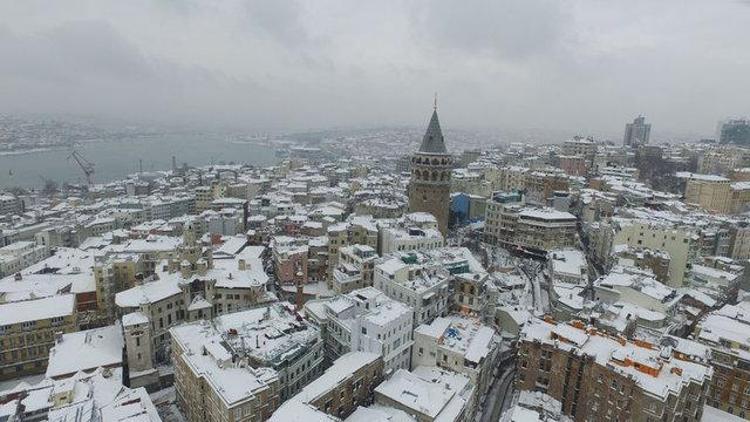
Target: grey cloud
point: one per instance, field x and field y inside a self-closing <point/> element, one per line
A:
<point x="582" y="66"/>
<point x="512" y="28"/>
<point x="71" y="53"/>
<point x="279" y="20"/>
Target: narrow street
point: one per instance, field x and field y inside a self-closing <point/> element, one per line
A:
<point x="500" y="396"/>
<point x="532" y="271"/>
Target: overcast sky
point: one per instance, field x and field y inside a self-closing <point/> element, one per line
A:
<point x="576" y="65"/>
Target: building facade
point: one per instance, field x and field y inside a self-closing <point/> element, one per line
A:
<point x="597" y="377"/>
<point x="637" y="133"/>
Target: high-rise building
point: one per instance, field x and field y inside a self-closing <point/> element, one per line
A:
<point x="735" y="132"/>
<point x="637" y="133"/>
<point x="429" y="189"/>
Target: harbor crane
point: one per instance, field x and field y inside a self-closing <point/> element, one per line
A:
<point x="85" y="165"/>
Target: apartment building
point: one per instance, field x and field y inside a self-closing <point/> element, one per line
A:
<point x="86" y="397"/>
<point x="712" y="193"/>
<point x="429" y="393"/>
<point x="114" y="273"/>
<point x="722" y="160"/>
<point x="678" y="242"/>
<point x="290" y="258"/>
<point x="648" y="299"/>
<point x="739" y="241"/>
<point x="10" y="204"/>
<point x="568" y="266"/>
<point x="574" y="165"/>
<point x="723" y="333"/>
<point x="28" y="330"/>
<point x="204" y="195"/>
<point x="168" y="207"/>
<point x="584" y="147"/>
<point x="409" y="239"/>
<point x="422" y="280"/>
<point x="355" y="268"/>
<point x="366" y="320"/>
<point x="532" y="230"/>
<point x="213" y="385"/>
<point x="459" y="344"/>
<point x="600" y="377"/>
<point x="740" y="197"/>
<point x="380" y="204"/>
<point x="85" y="351"/>
<point x="511" y="178"/>
<point x="192" y="288"/>
<point x="347" y="384"/>
<point x="153" y="249"/>
<point x="19" y="255"/>
<point x="540" y="185"/>
<point x="268" y="337"/>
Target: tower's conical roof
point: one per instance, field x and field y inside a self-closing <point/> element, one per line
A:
<point x="433" y="138"/>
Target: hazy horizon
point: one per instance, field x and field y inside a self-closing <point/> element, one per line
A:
<point x="575" y="67"/>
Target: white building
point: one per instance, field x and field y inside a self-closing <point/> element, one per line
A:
<point x="10" y="204"/>
<point x="17" y="256"/>
<point x="429" y="393"/>
<point x="637" y="288"/>
<point x="415" y="231"/>
<point x="99" y="396"/>
<point x="354" y="269"/>
<point x="568" y="266"/>
<point x="86" y="351"/>
<point x="421" y="279"/>
<point x="270" y="337"/>
<point x="460" y="344"/>
<point x="366" y="320"/>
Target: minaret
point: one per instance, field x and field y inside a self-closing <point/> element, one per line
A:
<point x="429" y="188"/>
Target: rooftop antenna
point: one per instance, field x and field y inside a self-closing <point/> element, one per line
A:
<point x="434" y="105"/>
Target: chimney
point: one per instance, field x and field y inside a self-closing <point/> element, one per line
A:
<point x="18" y="277"/>
<point x="242" y="265"/>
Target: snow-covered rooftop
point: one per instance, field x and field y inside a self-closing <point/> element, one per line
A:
<point x="85" y="351"/>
